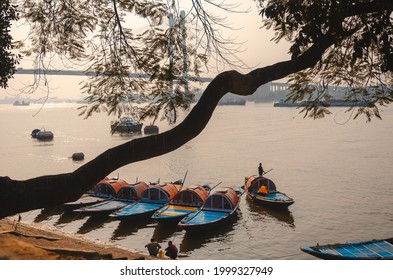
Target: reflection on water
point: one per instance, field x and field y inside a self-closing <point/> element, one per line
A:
<point x="46" y="213"/>
<point x="93" y="223"/>
<point x="126" y="228"/>
<point x="260" y="213"/>
<point x="165" y="231"/>
<point x="68" y="217"/>
<point x="195" y="240"/>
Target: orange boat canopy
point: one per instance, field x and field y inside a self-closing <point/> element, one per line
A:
<point x="194" y="196"/>
<point x="109" y="187"/>
<point x="132" y="191"/>
<point x="161" y="193"/>
<point x="222" y="200"/>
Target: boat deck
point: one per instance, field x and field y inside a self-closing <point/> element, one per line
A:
<point x="177" y="210"/>
<point x="203" y="217"/>
<point x="375" y="250"/>
<point x="277" y="196"/>
<point x="138" y="208"/>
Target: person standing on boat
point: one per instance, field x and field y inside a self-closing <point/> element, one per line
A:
<point x="153" y="247"/>
<point x="260" y="169"/>
<point x="171" y="250"/>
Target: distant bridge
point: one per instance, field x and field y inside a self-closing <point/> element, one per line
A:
<point x="81" y="73"/>
<point x="269" y="88"/>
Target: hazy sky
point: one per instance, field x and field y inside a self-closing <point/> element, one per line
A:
<point x="257" y="49"/>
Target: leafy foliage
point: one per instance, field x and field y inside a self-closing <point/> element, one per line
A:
<point x="361" y="60"/>
<point x="97" y="33"/>
<point x="8" y="60"/>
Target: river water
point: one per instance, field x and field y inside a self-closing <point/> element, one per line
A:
<point x="338" y="172"/>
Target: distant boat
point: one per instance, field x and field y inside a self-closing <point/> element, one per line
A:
<point x="184" y="203"/>
<point x="104" y="190"/>
<point x="366" y="250"/>
<point x="21" y="103"/>
<point x="263" y="191"/>
<point x="217" y="210"/>
<point x="232" y="101"/>
<point x="331" y="102"/>
<point x="153" y="198"/>
<point x="125" y="196"/>
<point x="125" y="125"/>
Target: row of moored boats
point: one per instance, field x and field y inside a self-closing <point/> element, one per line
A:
<point x="199" y="207"/>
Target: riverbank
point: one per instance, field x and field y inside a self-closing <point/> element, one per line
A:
<point x="22" y="241"/>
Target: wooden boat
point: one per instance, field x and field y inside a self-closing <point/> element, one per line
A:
<point x="263" y="191"/>
<point x="103" y="191"/>
<point x="184" y="203"/>
<point x="217" y="209"/>
<point x="125" y="125"/>
<point x="125" y="196"/>
<point x="367" y="250"/>
<point x="153" y="198"/>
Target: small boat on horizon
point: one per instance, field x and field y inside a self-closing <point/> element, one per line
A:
<point x="263" y="191"/>
<point x="184" y="203"/>
<point x="381" y="249"/>
<point x="218" y="208"/>
<point x="125" y="196"/>
<point x="153" y="198"/>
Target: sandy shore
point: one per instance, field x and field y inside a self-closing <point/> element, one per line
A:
<point x="28" y="242"/>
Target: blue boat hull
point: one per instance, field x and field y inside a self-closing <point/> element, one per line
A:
<point x="368" y="250"/>
<point x="137" y="211"/>
<point x="275" y="200"/>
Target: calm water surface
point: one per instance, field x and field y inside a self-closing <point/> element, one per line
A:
<point x="338" y="172"/>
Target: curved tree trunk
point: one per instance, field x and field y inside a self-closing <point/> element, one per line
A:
<point x="46" y="191"/>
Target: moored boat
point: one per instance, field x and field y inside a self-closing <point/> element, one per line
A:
<point x="43" y="135"/>
<point x="184" y="203"/>
<point x="125" y="125"/>
<point x="103" y="191"/>
<point x="263" y="191"/>
<point x="217" y="209"/>
<point x="125" y="196"/>
<point x="153" y="198"/>
<point x="381" y="249"/>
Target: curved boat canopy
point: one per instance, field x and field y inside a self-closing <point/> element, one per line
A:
<point x="254" y="183"/>
<point x="132" y="191"/>
<point x="194" y="196"/>
<point x="222" y="200"/>
<point x="160" y="193"/>
<point x="109" y="187"/>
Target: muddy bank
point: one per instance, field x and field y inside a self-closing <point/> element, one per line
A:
<point x="21" y="241"/>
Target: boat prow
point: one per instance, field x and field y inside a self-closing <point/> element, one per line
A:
<point x="218" y="209"/>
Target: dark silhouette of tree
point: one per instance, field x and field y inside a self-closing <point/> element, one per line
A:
<point x="333" y="42"/>
<point x="8" y="60"/>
